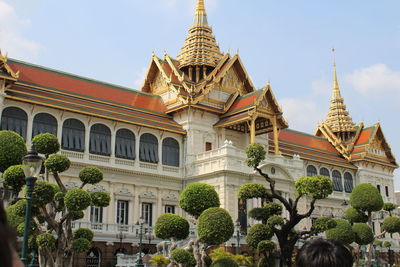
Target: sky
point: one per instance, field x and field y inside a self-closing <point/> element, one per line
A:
<point x="285" y="42"/>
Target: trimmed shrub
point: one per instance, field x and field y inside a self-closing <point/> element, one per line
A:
<point x="91" y="175"/>
<point x="257" y="233"/>
<point x="322" y="224"/>
<point x="100" y="199"/>
<point x="265" y="246"/>
<point x="76" y="215"/>
<point x="46" y="143"/>
<point x="378" y="243"/>
<point x="57" y="163"/>
<point x="46" y="240"/>
<point x="252" y="190"/>
<point x="273" y="208"/>
<point x="215" y="226"/>
<point x="255" y="154"/>
<point x="13" y="218"/>
<point x="77" y="199"/>
<point x="181" y="256"/>
<point x="198" y="197"/>
<point x="318" y="186"/>
<point x="366" y="197"/>
<point x="14" y="177"/>
<point x="59" y="199"/>
<point x="12" y="149"/>
<point x="43" y="193"/>
<point x="275" y="221"/>
<point x="389" y="206"/>
<point x="224" y="262"/>
<point x="355" y="216"/>
<point x="259" y="214"/>
<point x="391" y="224"/>
<point x="83" y="233"/>
<point x="80" y="245"/>
<point x="363" y="234"/>
<point x="343" y="232"/>
<point x="171" y="226"/>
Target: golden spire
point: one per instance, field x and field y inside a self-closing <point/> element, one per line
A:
<point x="338" y="118"/>
<point x="200" y="48"/>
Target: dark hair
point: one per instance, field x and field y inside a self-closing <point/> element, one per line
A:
<point x="6" y="253"/>
<point x="324" y="253"/>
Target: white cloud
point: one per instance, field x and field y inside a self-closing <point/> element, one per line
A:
<point x="301" y="114"/>
<point x="11" y="34"/>
<point x="375" y="80"/>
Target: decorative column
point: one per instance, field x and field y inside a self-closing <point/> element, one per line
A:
<point x="29" y="127"/>
<point x="276" y="136"/>
<point x="136" y="205"/>
<point x="159" y="203"/>
<point x="111" y="208"/>
<point x="87" y="139"/>
<point x="253" y="130"/>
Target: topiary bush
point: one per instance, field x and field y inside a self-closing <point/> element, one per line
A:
<point x="322" y="224"/>
<point x="252" y="190"/>
<point x="91" y="175"/>
<point x="12" y="149"/>
<point x="363" y="234"/>
<point x="46" y="240"/>
<point x="198" y="197"/>
<point x="43" y="193"/>
<point x="59" y="199"/>
<point x="275" y="221"/>
<point x="14" y="177"/>
<point x="181" y="256"/>
<point x="255" y="154"/>
<point x="80" y="245"/>
<point x="355" y="216"/>
<point x="77" y="215"/>
<point x="224" y="262"/>
<point x="391" y="224"/>
<point x="83" y="233"/>
<point x="389" y="207"/>
<point x="257" y="233"/>
<point x="100" y="199"/>
<point x="387" y="244"/>
<point x="259" y="214"/>
<point x="343" y="232"/>
<point x="318" y="186"/>
<point x="366" y="197"/>
<point x="77" y="199"/>
<point x="46" y="143"/>
<point x="378" y="243"/>
<point x="171" y="226"/>
<point x="57" y="163"/>
<point x="265" y="246"/>
<point x="215" y="226"/>
<point x="273" y="208"/>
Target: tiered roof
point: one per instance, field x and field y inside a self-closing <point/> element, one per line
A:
<point x="52" y="88"/>
<point x="200" y="48"/>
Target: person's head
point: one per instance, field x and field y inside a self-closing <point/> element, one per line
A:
<point x="324" y="253"/>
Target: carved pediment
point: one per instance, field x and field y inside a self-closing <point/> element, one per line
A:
<point x="231" y="83"/>
<point x="97" y="188"/>
<point x="123" y="191"/>
<point x="159" y="84"/>
<point x="170" y="197"/>
<point x="148" y="194"/>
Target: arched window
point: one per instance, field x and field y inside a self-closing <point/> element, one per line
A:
<point x="93" y="258"/>
<point x="44" y="123"/>
<point x="170" y="152"/>
<point x="125" y="144"/>
<point x="148" y="148"/>
<point x="311" y="170"/>
<point x="14" y="119"/>
<point x="324" y="172"/>
<point x="73" y="135"/>
<point x="348" y="182"/>
<point x="100" y="140"/>
<point x="337" y="181"/>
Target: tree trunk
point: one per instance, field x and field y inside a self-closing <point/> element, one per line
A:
<point x="197" y="253"/>
<point x="368" y="254"/>
<point x="287" y="247"/>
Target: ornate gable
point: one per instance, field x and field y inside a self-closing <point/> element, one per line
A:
<point x="7" y="74"/>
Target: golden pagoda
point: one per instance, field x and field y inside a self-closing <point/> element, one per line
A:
<point x="200" y="53"/>
<point x="338" y="119"/>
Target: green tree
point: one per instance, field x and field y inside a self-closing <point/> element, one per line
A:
<point x="310" y="187"/>
<point x="214" y="225"/>
<point x="54" y="207"/>
<point x="173" y="227"/>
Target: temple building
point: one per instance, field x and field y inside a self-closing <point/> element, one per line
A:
<point x="190" y="122"/>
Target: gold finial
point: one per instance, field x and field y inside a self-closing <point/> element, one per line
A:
<point x="200" y="9"/>
<point x="335" y="80"/>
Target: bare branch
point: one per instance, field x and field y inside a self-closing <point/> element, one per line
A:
<point x="50" y="220"/>
<point x="60" y="184"/>
<point x="310" y="211"/>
